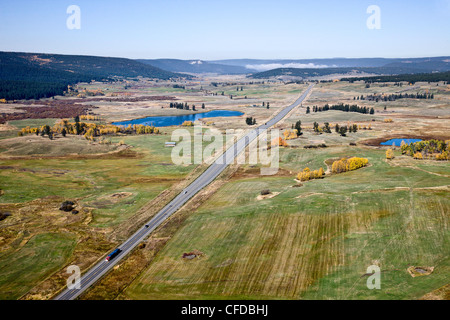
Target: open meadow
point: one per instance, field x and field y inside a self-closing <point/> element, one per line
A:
<point x="315" y="240"/>
<point x="307" y="240"/>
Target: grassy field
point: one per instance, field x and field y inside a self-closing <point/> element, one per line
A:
<point x="108" y="188"/>
<point x="145" y="171"/>
<point x="42" y="255"/>
<point x="314" y="241"/>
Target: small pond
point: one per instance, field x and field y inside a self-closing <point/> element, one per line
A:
<point x="398" y="142"/>
<point x="165" y="121"/>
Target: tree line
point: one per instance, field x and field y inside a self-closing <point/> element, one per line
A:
<point x="184" y="106"/>
<point x="350" y="164"/>
<point x="429" y="149"/>
<point x="393" y="97"/>
<point x="89" y="130"/>
<point x="410" y="78"/>
<point x="342" y="107"/>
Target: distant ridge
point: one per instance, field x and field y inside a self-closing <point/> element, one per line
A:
<point x="304" y="67"/>
<point x="38" y="75"/>
<point x="394" y="67"/>
<point x="426" y="64"/>
<point x="194" y="66"/>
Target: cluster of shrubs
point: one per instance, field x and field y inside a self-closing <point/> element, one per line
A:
<point x="342" y="130"/>
<point x="90" y="117"/>
<point x="90" y="93"/>
<point x="350" y="164"/>
<point x="307" y="174"/>
<point x="430" y="149"/>
<point x="188" y="124"/>
<point x="315" y="146"/>
<point x="184" y="106"/>
<point x="288" y="134"/>
<point x="279" y="142"/>
<point x="250" y="121"/>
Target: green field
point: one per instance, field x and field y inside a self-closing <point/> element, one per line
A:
<point x="141" y="172"/>
<point x="310" y="242"/>
<point x="37" y="259"/>
<point x="145" y="173"/>
<point x="313" y="240"/>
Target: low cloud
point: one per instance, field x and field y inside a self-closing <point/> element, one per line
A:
<point x="270" y="66"/>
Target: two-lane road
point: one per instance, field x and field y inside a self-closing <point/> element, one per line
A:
<point x="102" y="267"/>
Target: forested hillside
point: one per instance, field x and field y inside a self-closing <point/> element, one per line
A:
<point x="34" y="76"/>
<point x="194" y="66"/>
<point x="411" y="78"/>
<point x="316" y="72"/>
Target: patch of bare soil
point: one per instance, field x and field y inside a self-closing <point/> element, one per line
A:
<point x="120" y="195"/>
<point x="309" y="194"/>
<point x="59" y="109"/>
<point x="420" y="271"/>
<point x="127" y="99"/>
<point x="267" y="196"/>
<point x="383" y="190"/>
<point x="192" y="255"/>
<point x="255" y="172"/>
<point x="7" y="127"/>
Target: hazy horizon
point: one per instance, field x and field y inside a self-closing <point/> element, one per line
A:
<point x="225" y="59"/>
<point x="203" y="30"/>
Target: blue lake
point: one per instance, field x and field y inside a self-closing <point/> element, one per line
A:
<point x="166" y="121"/>
<point x="398" y="142"/>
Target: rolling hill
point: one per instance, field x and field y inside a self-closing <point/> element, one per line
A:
<point x="35" y="75"/>
<point x="400" y="66"/>
<point x="194" y="66"/>
<point x="429" y="64"/>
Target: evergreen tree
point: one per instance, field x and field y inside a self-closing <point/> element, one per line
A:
<point x="298" y="127"/>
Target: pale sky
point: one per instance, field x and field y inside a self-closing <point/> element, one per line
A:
<point x="214" y="29"/>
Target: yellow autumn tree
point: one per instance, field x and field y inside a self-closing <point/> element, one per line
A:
<point x="321" y="172"/>
<point x="307" y="174"/>
<point x="280" y="142"/>
<point x="350" y="164"/>
<point x="389" y="154"/>
<point x="418" y="156"/>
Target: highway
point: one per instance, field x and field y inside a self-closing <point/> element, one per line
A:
<point x="102" y="267"/>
